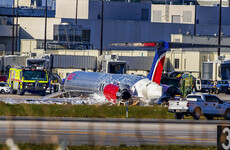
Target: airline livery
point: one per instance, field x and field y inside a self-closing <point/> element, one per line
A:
<point x="122" y="87"/>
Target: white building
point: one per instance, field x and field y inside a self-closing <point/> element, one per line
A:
<point x="133" y="22"/>
<point x="191" y="59"/>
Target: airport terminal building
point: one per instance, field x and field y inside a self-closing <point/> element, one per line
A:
<point x="123" y="22"/>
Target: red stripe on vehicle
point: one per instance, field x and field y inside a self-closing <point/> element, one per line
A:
<point x="17" y="80"/>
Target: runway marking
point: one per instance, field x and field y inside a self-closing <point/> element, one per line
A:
<point x="130" y="135"/>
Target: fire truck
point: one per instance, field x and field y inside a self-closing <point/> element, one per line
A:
<point x="31" y="80"/>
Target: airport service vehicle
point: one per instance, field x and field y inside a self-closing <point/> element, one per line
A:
<point x="4" y="87"/>
<point x="184" y="83"/>
<point x="28" y="79"/>
<point x="200" y="104"/>
<point x="117" y="87"/>
<point x="222" y="86"/>
<point x="203" y="85"/>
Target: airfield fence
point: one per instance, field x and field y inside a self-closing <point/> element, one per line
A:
<point x="102" y="131"/>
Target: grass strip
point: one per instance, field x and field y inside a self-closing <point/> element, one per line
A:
<point x="120" y="147"/>
<point x="43" y="110"/>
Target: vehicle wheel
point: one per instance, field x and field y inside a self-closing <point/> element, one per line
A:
<point x="209" y="117"/>
<point x="2" y="91"/>
<point x="43" y="93"/>
<point x="227" y="114"/>
<point x="179" y="115"/>
<point x="196" y="114"/>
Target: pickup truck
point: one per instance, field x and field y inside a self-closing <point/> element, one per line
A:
<point x="200" y="104"/>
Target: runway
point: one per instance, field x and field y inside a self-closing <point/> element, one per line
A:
<point x="77" y="131"/>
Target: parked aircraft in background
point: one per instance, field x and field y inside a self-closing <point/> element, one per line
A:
<point x="123" y="87"/>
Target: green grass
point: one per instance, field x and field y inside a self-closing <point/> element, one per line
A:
<point x="155" y="112"/>
<point x="121" y="147"/>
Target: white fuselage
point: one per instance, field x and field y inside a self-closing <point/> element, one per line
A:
<point x="93" y="81"/>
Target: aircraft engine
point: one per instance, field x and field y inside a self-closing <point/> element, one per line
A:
<point x="117" y="92"/>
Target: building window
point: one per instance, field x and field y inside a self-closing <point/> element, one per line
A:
<point x="176" y="63"/>
<point x="204" y="58"/>
<point x="187" y="16"/>
<point x="55" y="38"/>
<point x="157" y="15"/>
<point x="67" y="74"/>
<point x="177" y="40"/>
<point x="85" y="35"/>
<point x="144" y="14"/>
<point x="175" y="18"/>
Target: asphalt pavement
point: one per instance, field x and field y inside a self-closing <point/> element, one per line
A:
<point x="77" y="131"/>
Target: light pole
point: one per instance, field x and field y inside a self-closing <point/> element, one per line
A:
<point x="102" y="19"/>
<point x="76" y="11"/>
<point x="45" y="27"/>
<point x="16" y="39"/>
<point x="219" y="27"/>
<point x="13" y="30"/>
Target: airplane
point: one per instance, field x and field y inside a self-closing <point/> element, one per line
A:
<point x="123" y="87"/>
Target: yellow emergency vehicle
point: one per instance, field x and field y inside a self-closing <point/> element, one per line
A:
<point x="32" y="80"/>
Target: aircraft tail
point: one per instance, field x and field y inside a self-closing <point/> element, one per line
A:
<point x="157" y="66"/>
